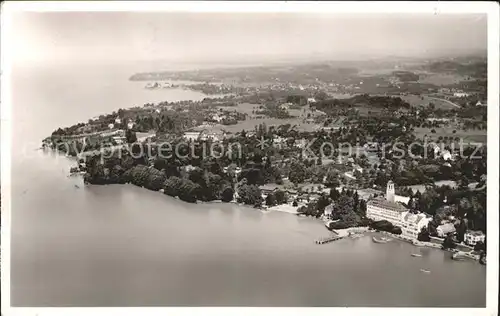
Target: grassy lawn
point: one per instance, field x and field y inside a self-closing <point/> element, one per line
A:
<point x="249" y="124"/>
<point x="245" y="108"/>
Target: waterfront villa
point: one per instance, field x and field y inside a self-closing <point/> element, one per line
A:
<point x="412" y="224"/>
<point x="445" y="229"/>
<point x="473" y="237"/>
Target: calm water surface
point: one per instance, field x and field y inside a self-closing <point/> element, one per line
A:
<point x="120" y="245"/>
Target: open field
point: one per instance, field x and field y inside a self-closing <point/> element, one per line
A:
<point x="467" y="136"/>
<point x="245" y="108"/>
<point x="337" y="95"/>
<point x="249" y="124"/>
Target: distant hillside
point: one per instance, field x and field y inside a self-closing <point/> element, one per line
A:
<point x="476" y="69"/>
<point x="291" y="73"/>
<point x="405" y="76"/>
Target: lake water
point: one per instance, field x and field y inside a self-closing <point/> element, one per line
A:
<point x="120" y="245"/>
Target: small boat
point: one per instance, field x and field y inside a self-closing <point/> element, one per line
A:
<point x="380" y="241"/>
<point x="425" y="271"/>
<point x="416" y="255"/>
<point x="76" y="186"/>
<point x="458" y="256"/>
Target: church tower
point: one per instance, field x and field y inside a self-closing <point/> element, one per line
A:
<point x="389" y="195"/>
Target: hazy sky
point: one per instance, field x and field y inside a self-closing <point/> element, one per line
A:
<point x="121" y="36"/>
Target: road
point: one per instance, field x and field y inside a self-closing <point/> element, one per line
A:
<point x="447" y="101"/>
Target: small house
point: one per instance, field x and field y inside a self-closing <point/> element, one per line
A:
<point x="471" y="237"/>
<point x="445" y="229"/>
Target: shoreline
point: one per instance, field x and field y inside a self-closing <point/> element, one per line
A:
<point x="425" y="244"/>
<point x="289" y="209"/>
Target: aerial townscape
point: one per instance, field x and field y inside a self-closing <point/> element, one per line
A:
<point x="250" y="159"/>
<point x="415" y="167"/>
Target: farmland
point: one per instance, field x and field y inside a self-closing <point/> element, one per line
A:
<point x="249" y="124"/>
<point x="441" y="79"/>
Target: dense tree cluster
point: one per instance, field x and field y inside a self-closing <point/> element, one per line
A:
<point x="250" y="194"/>
<point x="146" y="177"/>
<point x="276" y="198"/>
<point x="424" y="235"/>
<point x="297" y="172"/>
<point x="448" y="242"/>
<point x="185" y="189"/>
<point x="195" y="184"/>
<point x="385" y="226"/>
<point x="365" y="100"/>
<point x="347" y="209"/>
<point x="468" y="206"/>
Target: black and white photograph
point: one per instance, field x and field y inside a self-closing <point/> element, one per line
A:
<point x="216" y="154"/>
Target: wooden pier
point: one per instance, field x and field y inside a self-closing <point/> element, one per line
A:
<point x="328" y="239"/>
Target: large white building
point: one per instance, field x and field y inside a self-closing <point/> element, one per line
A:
<point x="379" y="209"/>
<point x="391" y="210"/>
<point x="412" y="224"/>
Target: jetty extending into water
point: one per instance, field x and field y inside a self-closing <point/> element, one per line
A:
<point x="328" y="239"/>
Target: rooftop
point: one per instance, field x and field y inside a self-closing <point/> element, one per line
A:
<point x="475" y="233"/>
<point x="447" y="228"/>
<point x="383" y="203"/>
<point x="414" y="218"/>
